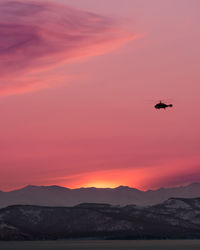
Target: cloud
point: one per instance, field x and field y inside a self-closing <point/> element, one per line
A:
<point x="36" y="36"/>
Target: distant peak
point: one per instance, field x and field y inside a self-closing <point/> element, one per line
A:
<point x="124" y="187"/>
<point x="56" y="187"/>
<point x="53" y="187"/>
<point x="93" y="205"/>
<point x="195" y="184"/>
<point x="30" y="187"/>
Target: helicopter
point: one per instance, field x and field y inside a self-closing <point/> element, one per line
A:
<point x="162" y="105"/>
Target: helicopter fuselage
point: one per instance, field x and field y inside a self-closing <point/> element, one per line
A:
<point x="162" y="105"/>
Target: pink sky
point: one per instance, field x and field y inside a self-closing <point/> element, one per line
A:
<point x="76" y="88"/>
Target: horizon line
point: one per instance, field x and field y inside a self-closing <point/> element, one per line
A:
<point x="120" y="186"/>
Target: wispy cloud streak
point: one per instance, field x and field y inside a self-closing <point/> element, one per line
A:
<point x="36" y="36"/>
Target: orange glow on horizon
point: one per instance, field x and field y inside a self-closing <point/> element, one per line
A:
<point x="101" y="184"/>
<point x="141" y="178"/>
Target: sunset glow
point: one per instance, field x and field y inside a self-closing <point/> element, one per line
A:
<point x="79" y="81"/>
<point x="101" y="185"/>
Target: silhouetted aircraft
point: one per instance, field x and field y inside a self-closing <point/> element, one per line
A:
<point x="162" y="105"/>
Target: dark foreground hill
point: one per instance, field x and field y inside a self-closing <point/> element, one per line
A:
<point x="175" y="218"/>
<point x="60" y="196"/>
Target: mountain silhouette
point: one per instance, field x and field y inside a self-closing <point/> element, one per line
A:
<point x="61" y="196"/>
<point x="176" y="218"/>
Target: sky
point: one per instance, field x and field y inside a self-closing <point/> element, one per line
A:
<point x="79" y="81"/>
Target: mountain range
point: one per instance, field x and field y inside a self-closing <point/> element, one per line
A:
<point x="175" y="218"/>
<point x="61" y="196"/>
